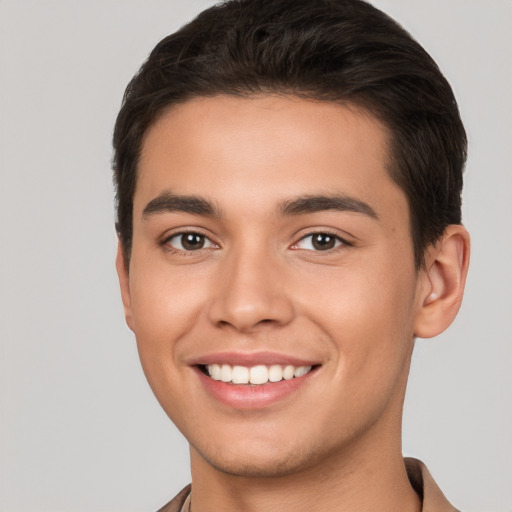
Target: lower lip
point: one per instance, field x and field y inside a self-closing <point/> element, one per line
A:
<point x="246" y="396"/>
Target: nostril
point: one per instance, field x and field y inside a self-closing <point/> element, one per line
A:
<point x="223" y="323"/>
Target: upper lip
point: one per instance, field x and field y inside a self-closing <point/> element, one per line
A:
<point x="252" y="359"/>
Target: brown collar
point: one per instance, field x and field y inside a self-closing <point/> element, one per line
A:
<point x="423" y="483"/>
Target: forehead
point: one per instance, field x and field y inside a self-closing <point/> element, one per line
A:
<point x="265" y="147"/>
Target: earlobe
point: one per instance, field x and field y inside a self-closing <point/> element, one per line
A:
<point x="442" y="282"/>
<point x="124" y="284"/>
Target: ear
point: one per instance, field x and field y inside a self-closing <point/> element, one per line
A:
<point x="124" y="283"/>
<point x="441" y="283"/>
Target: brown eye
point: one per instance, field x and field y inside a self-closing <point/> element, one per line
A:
<point x="323" y="241"/>
<point x="189" y="241"/>
<point x="319" y="242"/>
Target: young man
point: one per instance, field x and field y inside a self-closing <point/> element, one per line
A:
<point x="288" y="181"/>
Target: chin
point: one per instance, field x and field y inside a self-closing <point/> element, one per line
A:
<point x="270" y="467"/>
<point x="256" y="461"/>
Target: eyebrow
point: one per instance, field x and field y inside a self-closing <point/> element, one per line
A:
<point x="313" y="204"/>
<point x="195" y="205"/>
<point x="168" y="202"/>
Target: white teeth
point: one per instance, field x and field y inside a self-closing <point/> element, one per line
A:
<point x="258" y="374"/>
<point x="240" y="375"/>
<point x="226" y="373"/>
<point x="215" y="371"/>
<point x="288" y="372"/>
<point x="255" y="375"/>
<point x="301" y="370"/>
<point x="275" y="373"/>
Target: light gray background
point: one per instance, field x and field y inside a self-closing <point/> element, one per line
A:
<point x="80" y="429"/>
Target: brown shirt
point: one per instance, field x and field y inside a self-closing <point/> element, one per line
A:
<point x="421" y="480"/>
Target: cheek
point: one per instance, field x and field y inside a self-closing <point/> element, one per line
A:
<point x="166" y="306"/>
<point x="165" y="311"/>
<point x="165" y="300"/>
<point x="368" y="316"/>
<point x="372" y="339"/>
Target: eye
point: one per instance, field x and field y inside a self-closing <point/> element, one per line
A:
<point x="189" y="241"/>
<point x="319" y="242"/>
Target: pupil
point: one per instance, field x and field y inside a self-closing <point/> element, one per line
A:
<point x="323" y="241"/>
<point x="192" y="241"/>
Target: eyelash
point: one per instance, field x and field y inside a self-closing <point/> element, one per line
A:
<point x="339" y="242"/>
<point x="166" y="243"/>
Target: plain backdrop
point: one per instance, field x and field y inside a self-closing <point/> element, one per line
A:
<point x="80" y="430"/>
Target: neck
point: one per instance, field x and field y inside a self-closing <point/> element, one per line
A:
<point x="363" y="477"/>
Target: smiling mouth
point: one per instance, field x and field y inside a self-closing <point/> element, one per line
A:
<point x="255" y="375"/>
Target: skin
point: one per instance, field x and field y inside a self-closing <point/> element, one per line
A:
<point x="259" y="284"/>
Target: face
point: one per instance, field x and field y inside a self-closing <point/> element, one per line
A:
<point x="272" y="287"/>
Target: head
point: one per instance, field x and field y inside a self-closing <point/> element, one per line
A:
<point x="288" y="182"/>
<point x="342" y="51"/>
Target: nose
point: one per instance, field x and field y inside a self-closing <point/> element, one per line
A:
<point x="251" y="293"/>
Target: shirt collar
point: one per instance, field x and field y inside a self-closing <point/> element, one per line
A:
<point x="432" y="497"/>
